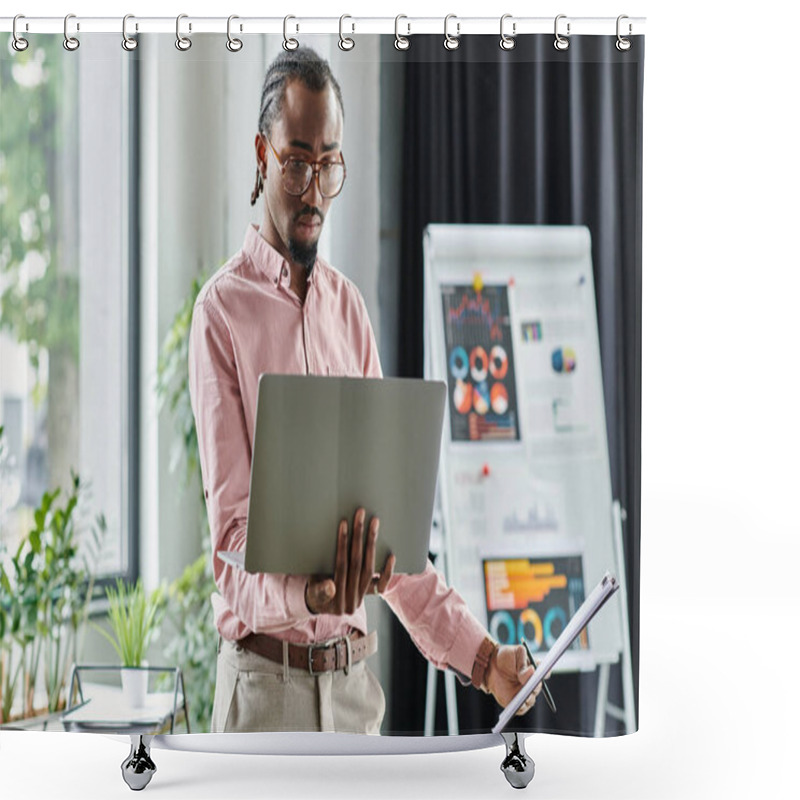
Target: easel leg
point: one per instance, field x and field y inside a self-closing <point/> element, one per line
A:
<point x="450" y="701"/>
<point x="628" y="713"/>
<point x="518" y="766"/>
<point x="138" y="768"/>
<point x="601" y="709"/>
<point x="452" y="708"/>
<point x="430" y="699"/>
<point x="627" y="693"/>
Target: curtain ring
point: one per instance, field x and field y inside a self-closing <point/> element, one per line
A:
<point x="183" y="43"/>
<point x="401" y="42"/>
<point x="70" y="42"/>
<point x="561" y="42"/>
<point x="234" y="45"/>
<point x="289" y="44"/>
<point x="18" y="42"/>
<point x="623" y="44"/>
<point x="128" y="42"/>
<point x="345" y="42"/>
<point x="507" y="42"/>
<point x="451" y="42"/>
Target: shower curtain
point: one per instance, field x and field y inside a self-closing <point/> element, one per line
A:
<point x="127" y="359"/>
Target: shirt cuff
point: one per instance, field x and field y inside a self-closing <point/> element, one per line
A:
<point x="462" y="679"/>
<point x="296" y="597"/>
<point x="468" y="640"/>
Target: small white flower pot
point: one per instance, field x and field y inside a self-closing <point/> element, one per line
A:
<point x="134" y="686"/>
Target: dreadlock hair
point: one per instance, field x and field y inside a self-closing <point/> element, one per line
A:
<point x="302" y="64"/>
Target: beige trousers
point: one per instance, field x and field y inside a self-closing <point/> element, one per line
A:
<point x="256" y="694"/>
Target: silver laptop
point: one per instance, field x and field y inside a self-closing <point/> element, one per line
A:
<point x="325" y="446"/>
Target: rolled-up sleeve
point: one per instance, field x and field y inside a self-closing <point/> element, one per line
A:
<point x="437" y="618"/>
<point x="265" y="603"/>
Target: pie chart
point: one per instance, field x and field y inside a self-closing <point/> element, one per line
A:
<point x="564" y="359"/>
<point x="478" y="364"/>
<point x="498" y="363"/>
<point x="459" y="363"/>
<point x="480" y="398"/>
<point x="499" y="397"/>
<point x="462" y="396"/>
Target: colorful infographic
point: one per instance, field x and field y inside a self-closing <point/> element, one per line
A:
<point x="533" y="599"/>
<point x="532" y="331"/>
<point x="563" y="359"/>
<point x="480" y="363"/>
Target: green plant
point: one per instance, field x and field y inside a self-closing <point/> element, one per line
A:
<point x="195" y="641"/>
<point x="134" y="617"/>
<point x="44" y="600"/>
<point x="194" y="644"/>
<point x="9" y="670"/>
<point x="172" y="385"/>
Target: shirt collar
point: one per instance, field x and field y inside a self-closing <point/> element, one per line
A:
<point x="268" y="260"/>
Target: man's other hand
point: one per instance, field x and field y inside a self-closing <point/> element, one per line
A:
<point x="354" y="575"/>
<point x="508" y="671"/>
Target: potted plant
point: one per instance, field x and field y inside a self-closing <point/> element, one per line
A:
<point x="45" y="590"/>
<point x="134" y="617"/>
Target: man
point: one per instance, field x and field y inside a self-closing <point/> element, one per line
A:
<point x="276" y="306"/>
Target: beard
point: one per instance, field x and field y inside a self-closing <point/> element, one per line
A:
<point x="303" y="254"/>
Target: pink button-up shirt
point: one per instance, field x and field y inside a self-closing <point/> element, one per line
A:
<point x="246" y="321"/>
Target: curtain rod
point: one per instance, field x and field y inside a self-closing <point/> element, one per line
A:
<point x="455" y="25"/>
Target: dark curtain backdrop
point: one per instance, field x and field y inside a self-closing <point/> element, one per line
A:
<point x="531" y="136"/>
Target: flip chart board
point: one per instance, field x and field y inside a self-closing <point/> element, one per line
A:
<point x="524" y="483"/>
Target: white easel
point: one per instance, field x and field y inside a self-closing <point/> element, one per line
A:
<point x="452" y="254"/>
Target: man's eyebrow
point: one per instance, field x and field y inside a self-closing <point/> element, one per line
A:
<point x="306" y="146"/>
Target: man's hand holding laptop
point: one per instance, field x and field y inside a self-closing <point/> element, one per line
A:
<point x="509" y="668"/>
<point x="354" y="575"/>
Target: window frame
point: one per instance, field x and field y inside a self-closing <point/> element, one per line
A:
<point x="130" y="514"/>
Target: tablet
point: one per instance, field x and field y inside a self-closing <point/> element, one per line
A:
<point x="325" y="446"/>
<point x="593" y="603"/>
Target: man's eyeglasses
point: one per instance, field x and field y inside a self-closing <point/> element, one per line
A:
<point x="297" y="174"/>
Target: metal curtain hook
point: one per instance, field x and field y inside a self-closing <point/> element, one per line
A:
<point x="451" y="42"/>
<point x="18" y="42"/>
<point x="128" y="42"/>
<point x="623" y="43"/>
<point x="183" y="43"/>
<point x="289" y="44"/>
<point x="70" y="42"/>
<point x="234" y="45"/>
<point x="561" y="42"/>
<point x="401" y="42"/>
<point x="507" y="42"/>
<point x="345" y="42"/>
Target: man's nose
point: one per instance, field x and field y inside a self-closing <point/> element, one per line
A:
<point x="312" y="196"/>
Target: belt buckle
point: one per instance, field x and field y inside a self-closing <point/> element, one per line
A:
<point x="323" y="646"/>
<point x="349" y="649"/>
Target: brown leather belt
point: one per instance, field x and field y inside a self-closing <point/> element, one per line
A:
<point x="335" y="654"/>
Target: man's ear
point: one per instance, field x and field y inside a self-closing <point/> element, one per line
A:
<point x="261" y="155"/>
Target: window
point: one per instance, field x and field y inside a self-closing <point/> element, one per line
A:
<point x="68" y="351"/>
